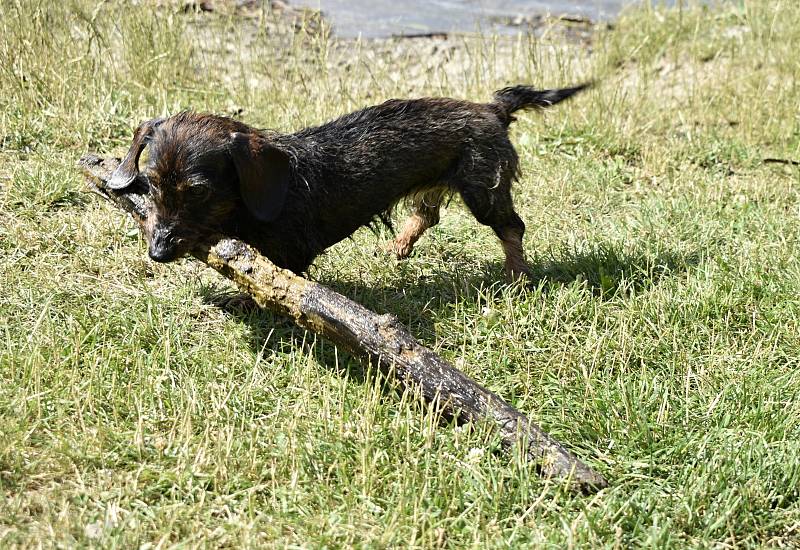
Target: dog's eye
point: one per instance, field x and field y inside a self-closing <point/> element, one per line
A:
<point x="198" y="191"/>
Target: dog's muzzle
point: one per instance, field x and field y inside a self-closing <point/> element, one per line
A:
<point x="163" y="246"/>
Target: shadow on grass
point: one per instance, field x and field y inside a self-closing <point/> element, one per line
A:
<point x="418" y="301"/>
<point x="607" y="270"/>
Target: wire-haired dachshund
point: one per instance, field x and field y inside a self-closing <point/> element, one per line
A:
<point x="292" y="196"/>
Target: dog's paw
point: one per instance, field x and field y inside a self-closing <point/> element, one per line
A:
<point x="399" y="251"/>
<point x="519" y="274"/>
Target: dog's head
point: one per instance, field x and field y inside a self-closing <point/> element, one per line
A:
<point x="200" y="170"/>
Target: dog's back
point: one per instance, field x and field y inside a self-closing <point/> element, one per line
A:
<point x="365" y="162"/>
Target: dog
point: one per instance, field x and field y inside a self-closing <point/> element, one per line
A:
<point x="292" y="196"/>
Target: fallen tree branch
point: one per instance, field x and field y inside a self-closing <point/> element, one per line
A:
<point x="367" y="335"/>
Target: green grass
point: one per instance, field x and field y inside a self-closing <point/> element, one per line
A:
<point x="660" y="340"/>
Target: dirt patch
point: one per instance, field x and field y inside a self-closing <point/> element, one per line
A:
<point x="425" y="58"/>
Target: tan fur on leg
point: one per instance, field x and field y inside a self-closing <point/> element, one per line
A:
<point x="516" y="266"/>
<point x="413" y="228"/>
<point x="425" y="214"/>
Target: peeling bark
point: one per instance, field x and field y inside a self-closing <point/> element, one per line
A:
<point x="380" y="339"/>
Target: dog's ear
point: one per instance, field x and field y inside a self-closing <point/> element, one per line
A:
<point x="264" y="172"/>
<point x="128" y="169"/>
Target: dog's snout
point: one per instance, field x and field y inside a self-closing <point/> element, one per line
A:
<point x="162" y="245"/>
<point x="161" y="254"/>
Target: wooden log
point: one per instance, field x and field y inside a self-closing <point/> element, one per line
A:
<point x="380" y="339"/>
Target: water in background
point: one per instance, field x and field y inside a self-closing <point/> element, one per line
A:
<point x="381" y="18"/>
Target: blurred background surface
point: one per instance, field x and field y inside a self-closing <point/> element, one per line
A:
<point x="381" y="18"/>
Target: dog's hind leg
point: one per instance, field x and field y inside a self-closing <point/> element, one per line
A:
<point x="424" y="215"/>
<point x="494" y="207"/>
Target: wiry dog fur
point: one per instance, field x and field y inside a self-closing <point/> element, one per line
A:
<point x="294" y="195"/>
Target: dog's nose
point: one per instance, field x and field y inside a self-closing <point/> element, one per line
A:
<point x="161" y="253"/>
<point x="162" y="248"/>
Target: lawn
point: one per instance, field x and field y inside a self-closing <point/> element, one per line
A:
<point x="659" y="339"/>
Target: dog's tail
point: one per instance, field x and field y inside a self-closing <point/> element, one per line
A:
<point x="514" y="98"/>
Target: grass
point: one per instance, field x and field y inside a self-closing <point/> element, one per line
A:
<point x="660" y="339"/>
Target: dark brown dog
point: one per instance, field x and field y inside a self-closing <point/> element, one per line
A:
<point x="292" y="196"/>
